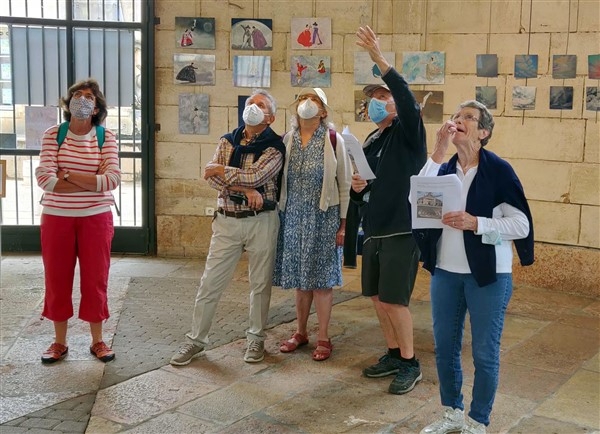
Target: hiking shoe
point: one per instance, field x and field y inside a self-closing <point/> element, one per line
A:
<point x="185" y="354"/>
<point x="406" y="378"/>
<point x="255" y="352"/>
<point x="102" y="352"/>
<point x="387" y="365"/>
<point x="452" y="422"/>
<point x="54" y="353"/>
<point x="473" y="427"/>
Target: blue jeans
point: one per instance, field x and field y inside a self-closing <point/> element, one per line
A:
<point x="452" y="295"/>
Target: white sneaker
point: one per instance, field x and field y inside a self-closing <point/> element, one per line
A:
<point x="255" y="352"/>
<point x="473" y="427"/>
<point x="185" y="354"/>
<point x="452" y="422"/>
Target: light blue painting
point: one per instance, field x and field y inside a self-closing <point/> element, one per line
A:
<point x="523" y="97"/>
<point x="310" y="71"/>
<point x="252" y="71"/>
<point x="366" y="71"/>
<point x="424" y="67"/>
<point x="526" y="65"/>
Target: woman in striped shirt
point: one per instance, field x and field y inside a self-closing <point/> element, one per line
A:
<point x="78" y="169"/>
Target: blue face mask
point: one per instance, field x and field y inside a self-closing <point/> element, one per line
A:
<point x="377" y="111"/>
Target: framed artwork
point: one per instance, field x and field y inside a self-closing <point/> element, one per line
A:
<point x="195" y="33"/>
<point x="193" y="113"/>
<point x="241" y="105"/>
<point x="252" y="71"/>
<point x="561" y="97"/>
<point x="487" y="95"/>
<point x="194" y="69"/>
<point x="37" y="121"/>
<point x="424" y="67"/>
<point x="8" y="141"/>
<point x="361" y="107"/>
<point x="366" y="71"/>
<point x="526" y="65"/>
<point x="311" y="33"/>
<point x="594" y="66"/>
<point x="564" y="66"/>
<point x="432" y="105"/>
<point x="523" y="97"/>
<point x="310" y="71"/>
<point x="487" y="65"/>
<point x="592" y="98"/>
<point x="2" y="178"/>
<point x="251" y="34"/>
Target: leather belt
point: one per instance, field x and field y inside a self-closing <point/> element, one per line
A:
<point x="239" y="214"/>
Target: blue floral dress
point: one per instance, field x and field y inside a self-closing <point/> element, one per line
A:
<point x="307" y="256"/>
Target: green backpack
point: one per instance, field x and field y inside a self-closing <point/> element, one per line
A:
<point x="64" y="127"/>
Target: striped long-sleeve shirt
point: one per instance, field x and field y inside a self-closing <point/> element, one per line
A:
<point x="78" y="154"/>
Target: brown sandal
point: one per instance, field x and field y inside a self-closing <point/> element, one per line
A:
<point x="323" y="351"/>
<point x="297" y="340"/>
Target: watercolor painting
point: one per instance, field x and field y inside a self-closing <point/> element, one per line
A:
<point x="561" y="97"/>
<point x="526" y="65"/>
<point x="310" y="71"/>
<point x="432" y="105"/>
<point x="487" y="95"/>
<point x="251" y="34"/>
<point x="361" y="107"/>
<point x="592" y="98"/>
<point x="193" y="113"/>
<point x="366" y="71"/>
<point x="487" y="65"/>
<point x="424" y="67"/>
<point x="252" y="71"/>
<point x="523" y="97"/>
<point x="594" y="66"/>
<point x="311" y="33"/>
<point x="195" y="33"/>
<point x="564" y="66"/>
<point x="194" y="69"/>
<point x="37" y="121"/>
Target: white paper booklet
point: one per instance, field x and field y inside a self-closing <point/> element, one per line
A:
<point x="431" y="197"/>
<point x="357" y="155"/>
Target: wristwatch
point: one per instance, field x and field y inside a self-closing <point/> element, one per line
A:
<point x="66" y="175"/>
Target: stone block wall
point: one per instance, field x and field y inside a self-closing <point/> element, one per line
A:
<point x="555" y="152"/>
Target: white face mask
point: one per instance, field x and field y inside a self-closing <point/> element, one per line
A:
<point x="81" y="108"/>
<point x="253" y="115"/>
<point x="308" y="109"/>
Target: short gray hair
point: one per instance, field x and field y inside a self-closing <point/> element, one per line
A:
<point x="267" y="95"/>
<point x="486" y="119"/>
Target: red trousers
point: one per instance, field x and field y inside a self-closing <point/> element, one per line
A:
<point x="64" y="241"/>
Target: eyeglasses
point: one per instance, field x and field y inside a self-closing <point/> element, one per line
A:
<point x="80" y="93"/>
<point x="465" y="117"/>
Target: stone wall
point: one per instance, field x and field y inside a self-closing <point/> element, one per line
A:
<point x="555" y="153"/>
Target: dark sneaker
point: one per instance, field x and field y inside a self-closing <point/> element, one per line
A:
<point x="102" y="351"/>
<point x="54" y="353"/>
<point x="255" y="352"/>
<point x="185" y="354"/>
<point x="387" y="365"/>
<point x="406" y="378"/>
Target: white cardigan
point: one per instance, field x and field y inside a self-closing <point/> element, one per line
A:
<point x="337" y="175"/>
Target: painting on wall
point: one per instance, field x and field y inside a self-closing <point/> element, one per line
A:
<point x="194" y="69"/>
<point x="252" y="71"/>
<point x="432" y="105"/>
<point x="37" y="121"/>
<point x="564" y="66"/>
<point x="361" y="107"/>
<point x="195" y="33"/>
<point x="526" y="65"/>
<point x="241" y="105"/>
<point x="523" y="97"/>
<point x="311" y="33"/>
<point x="487" y="95"/>
<point x="561" y="97"/>
<point x="366" y="71"/>
<point x="594" y="66"/>
<point x="193" y="113"/>
<point x="251" y="34"/>
<point x="487" y="65"/>
<point x="424" y="67"/>
<point x="592" y="98"/>
<point x="310" y="71"/>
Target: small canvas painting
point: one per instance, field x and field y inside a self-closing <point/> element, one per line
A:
<point x="251" y="34"/>
<point x="423" y="67"/>
<point x="361" y="107"/>
<point x="37" y="121"/>
<point x="561" y="97"/>
<point x="310" y="71"/>
<point x="564" y="66"/>
<point x="432" y="105"/>
<point x="487" y="95"/>
<point x="592" y="98"/>
<point x="195" y="33"/>
<point x="594" y="66"/>
<point x="487" y="65"/>
<point x="526" y="66"/>
<point x="523" y="97"/>
<point x="193" y="113"/>
<point x="252" y="71"/>
<point x="311" y="33"/>
<point x="366" y="71"/>
<point x="194" y="69"/>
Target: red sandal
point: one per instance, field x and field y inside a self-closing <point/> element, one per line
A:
<point x="323" y="351"/>
<point x="297" y="340"/>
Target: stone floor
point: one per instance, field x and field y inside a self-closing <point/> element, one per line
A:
<point x="550" y="376"/>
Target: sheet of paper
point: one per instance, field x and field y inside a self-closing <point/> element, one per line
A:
<point x="431" y="197"/>
<point x="357" y="156"/>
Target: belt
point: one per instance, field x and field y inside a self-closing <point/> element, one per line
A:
<point x="239" y="214"/>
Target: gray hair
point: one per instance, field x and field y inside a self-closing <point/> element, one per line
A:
<point x="267" y="95"/>
<point x="486" y="119"/>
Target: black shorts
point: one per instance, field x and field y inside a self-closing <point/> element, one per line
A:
<point x="389" y="268"/>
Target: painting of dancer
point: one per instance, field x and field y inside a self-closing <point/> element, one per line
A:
<point x="311" y="33"/>
<point x="193" y="32"/>
<point x="310" y="71"/>
<point x="251" y="34"/>
<point x="194" y="69"/>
